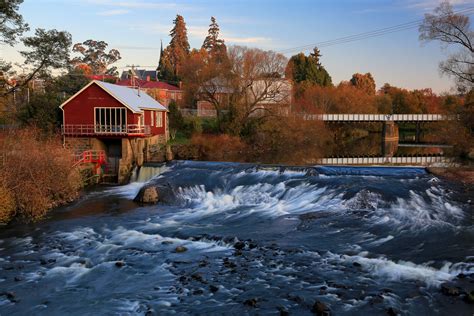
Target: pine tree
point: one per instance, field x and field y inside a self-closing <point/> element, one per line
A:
<point x="215" y="46"/>
<point x="308" y="69"/>
<point x="178" y="49"/>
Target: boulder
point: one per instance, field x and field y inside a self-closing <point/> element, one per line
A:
<point x="149" y="195"/>
<point x="321" y="309"/>
<point x="154" y="193"/>
<point x="180" y="249"/>
<point x="449" y="289"/>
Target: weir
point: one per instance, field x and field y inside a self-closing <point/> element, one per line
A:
<point x="146" y="172"/>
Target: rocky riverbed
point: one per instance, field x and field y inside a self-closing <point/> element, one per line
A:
<point x="244" y="239"/>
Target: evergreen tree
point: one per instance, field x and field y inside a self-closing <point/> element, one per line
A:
<point x="165" y="69"/>
<point x="178" y="49"/>
<point x="308" y="69"/>
<point x="213" y="44"/>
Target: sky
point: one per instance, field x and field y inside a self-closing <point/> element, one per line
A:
<point x="135" y="28"/>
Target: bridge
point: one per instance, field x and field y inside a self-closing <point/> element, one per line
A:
<point x="390" y="135"/>
<point x="410" y="160"/>
<point x="378" y="117"/>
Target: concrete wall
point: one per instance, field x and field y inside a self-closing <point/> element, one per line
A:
<point x="135" y="151"/>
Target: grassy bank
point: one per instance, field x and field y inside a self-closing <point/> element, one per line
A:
<point x="36" y="175"/>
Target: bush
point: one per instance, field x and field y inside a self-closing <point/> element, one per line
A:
<point x="220" y="147"/>
<point x="290" y="141"/>
<point x="7" y="204"/>
<point x="37" y="172"/>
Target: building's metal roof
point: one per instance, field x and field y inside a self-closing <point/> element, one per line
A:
<point x="135" y="99"/>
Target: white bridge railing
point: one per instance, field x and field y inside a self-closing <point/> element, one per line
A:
<point x="377" y="117"/>
<point x="91" y="129"/>
<point x="422" y="160"/>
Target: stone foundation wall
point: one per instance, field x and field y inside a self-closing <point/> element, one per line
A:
<point x="135" y="151"/>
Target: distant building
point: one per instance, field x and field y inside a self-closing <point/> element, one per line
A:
<point x="274" y="94"/>
<point x="142" y="74"/>
<point x="161" y="91"/>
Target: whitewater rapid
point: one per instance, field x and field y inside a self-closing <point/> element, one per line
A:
<point x="257" y="240"/>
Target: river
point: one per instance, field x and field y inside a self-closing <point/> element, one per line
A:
<point x="257" y="240"/>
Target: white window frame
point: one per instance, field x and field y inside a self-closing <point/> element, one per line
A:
<point x="159" y="119"/>
<point x="118" y="127"/>
<point x="152" y="118"/>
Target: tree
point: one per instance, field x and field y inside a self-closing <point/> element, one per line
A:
<point x="365" y="82"/>
<point x="451" y="28"/>
<point x="165" y="69"/>
<point x="12" y="24"/>
<point x="258" y="89"/>
<point x="177" y="51"/>
<point x="307" y="70"/>
<point x="42" y="111"/>
<point x="213" y="44"/>
<point x="47" y="50"/>
<point x="95" y="56"/>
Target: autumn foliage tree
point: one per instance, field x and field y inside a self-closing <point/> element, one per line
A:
<point x="364" y="82"/>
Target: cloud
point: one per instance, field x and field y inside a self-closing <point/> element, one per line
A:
<point x="247" y="40"/>
<point x="426" y="5"/>
<point x="113" y="12"/>
<point x="139" y="4"/>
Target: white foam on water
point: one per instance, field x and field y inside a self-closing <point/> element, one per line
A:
<point x="263" y="199"/>
<point x="406" y="270"/>
<point x="418" y="214"/>
<point x="70" y="274"/>
<point x="382" y="240"/>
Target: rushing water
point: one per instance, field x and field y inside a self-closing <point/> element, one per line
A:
<point x="360" y="240"/>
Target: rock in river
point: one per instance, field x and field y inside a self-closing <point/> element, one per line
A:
<point x="180" y="249"/>
<point x="154" y="193"/>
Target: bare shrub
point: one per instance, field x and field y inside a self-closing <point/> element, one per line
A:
<point x="7" y="203"/>
<point x="220" y="147"/>
<point x="38" y="172"/>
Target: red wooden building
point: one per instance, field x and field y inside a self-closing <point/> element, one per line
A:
<point x="108" y="110"/>
<point x="126" y="124"/>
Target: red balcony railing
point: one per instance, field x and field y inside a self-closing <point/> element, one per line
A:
<point x="108" y="130"/>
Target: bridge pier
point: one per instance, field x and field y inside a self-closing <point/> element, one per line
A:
<point x="418" y="132"/>
<point x="390" y="138"/>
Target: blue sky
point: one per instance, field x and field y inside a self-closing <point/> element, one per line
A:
<point x="136" y="27"/>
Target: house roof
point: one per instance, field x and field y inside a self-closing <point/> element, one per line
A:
<point x="133" y="99"/>
<point x="141" y="74"/>
<point x="102" y="77"/>
<point x="148" y="84"/>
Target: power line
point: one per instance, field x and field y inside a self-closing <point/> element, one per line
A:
<point x="366" y="35"/>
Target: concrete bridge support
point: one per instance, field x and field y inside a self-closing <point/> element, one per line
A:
<point x="390" y="138"/>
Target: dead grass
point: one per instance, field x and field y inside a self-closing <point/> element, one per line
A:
<point x="37" y="173"/>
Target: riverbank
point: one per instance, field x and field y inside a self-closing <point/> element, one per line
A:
<point x="462" y="174"/>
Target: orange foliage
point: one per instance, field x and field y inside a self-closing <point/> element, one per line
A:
<point x="219" y="147"/>
<point x="37" y="172"/>
<point x="86" y="69"/>
<point x="344" y="98"/>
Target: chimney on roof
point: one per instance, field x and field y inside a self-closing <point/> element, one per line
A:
<point x="180" y="85"/>
<point x="148" y="78"/>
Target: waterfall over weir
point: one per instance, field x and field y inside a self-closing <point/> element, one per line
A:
<point x="249" y="239"/>
<point x="146" y="172"/>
